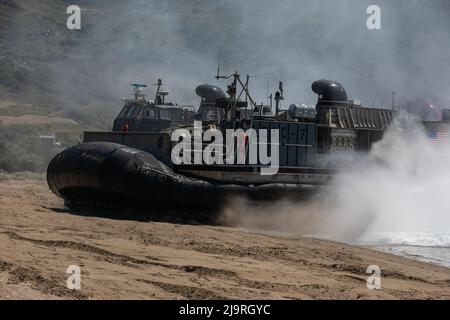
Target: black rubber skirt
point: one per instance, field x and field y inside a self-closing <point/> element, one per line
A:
<point x="103" y="174"/>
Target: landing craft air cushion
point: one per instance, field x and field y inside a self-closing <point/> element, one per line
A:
<point x="135" y="169"/>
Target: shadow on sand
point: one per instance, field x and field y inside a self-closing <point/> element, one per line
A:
<point x="177" y="216"/>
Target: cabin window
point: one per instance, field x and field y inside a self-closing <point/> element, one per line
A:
<point x="123" y="112"/>
<point x="164" y="114"/>
<point x="150" y="113"/>
<point x="130" y="112"/>
<point x="176" y="115"/>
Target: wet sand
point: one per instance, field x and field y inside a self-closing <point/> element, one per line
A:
<point x="129" y="259"/>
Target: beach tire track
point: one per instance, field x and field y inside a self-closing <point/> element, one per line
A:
<point x="19" y="274"/>
<point x="107" y="255"/>
<point x="186" y="292"/>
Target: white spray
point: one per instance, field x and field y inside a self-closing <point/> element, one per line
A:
<point x="402" y="188"/>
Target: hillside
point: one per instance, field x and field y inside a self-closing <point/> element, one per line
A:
<point x="33" y="43"/>
<point x="75" y="79"/>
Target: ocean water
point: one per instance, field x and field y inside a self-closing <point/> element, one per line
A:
<point x="429" y="247"/>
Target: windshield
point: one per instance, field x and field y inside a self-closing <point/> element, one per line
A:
<point x="164" y="114"/>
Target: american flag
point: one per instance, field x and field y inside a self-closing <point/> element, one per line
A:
<point x="437" y="136"/>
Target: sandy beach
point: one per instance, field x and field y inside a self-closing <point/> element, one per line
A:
<point x="129" y="259"/>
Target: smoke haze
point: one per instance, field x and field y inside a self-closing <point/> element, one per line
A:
<point x="297" y="41"/>
<point x="291" y="40"/>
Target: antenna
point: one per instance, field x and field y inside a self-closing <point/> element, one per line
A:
<point x="218" y="66"/>
<point x="278" y="96"/>
<point x="138" y="85"/>
<point x="280" y="86"/>
<point x="393" y="100"/>
<point x="158" y="98"/>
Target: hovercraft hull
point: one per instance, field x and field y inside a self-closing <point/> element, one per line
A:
<point x="103" y="174"/>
